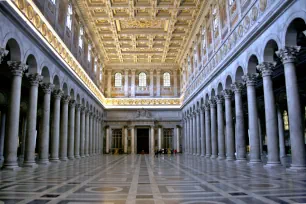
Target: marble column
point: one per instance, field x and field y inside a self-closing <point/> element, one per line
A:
<point x="159" y="138"/>
<point x="281" y="133"/>
<point x="178" y="139"/>
<point x="266" y="70"/>
<point x="86" y="135"/>
<point x="97" y="134"/>
<point x="230" y="138"/>
<point x="125" y="139"/>
<point x="158" y="82"/>
<point x="213" y="127"/>
<point x="185" y="135"/>
<point x="133" y="88"/>
<point x="12" y="129"/>
<point x="207" y="130"/>
<point x="71" y="129"/>
<point x="152" y="143"/>
<point x="202" y="133"/>
<point x="250" y="80"/>
<point x="31" y="133"/>
<point x="151" y="83"/>
<point x="90" y="135"/>
<point x="55" y="125"/>
<point x="77" y="138"/>
<point x="93" y="135"/>
<point x="175" y="87"/>
<point x="194" y="133"/>
<point x="133" y="140"/>
<point x="43" y="145"/>
<point x="2" y="134"/>
<point x="239" y="127"/>
<point x="198" y="129"/>
<point x="107" y="140"/>
<point x="83" y="135"/>
<point x="288" y="57"/>
<point x="220" y="118"/>
<point x="64" y="128"/>
<point x="109" y="83"/>
<point x="126" y="82"/>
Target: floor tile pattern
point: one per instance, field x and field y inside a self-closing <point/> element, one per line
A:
<point x="142" y="179"/>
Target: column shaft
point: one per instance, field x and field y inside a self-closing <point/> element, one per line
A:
<point x="125" y="140"/>
<point x="281" y="133"/>
<point x="207" y="131"/>
<point x="230" y="138"/>
<point x="64" y="129"/>
<point x="133" y="140"/>
<point x="213" y="126"/>
<point x="221" y="137"/>
<point x="198" y="128"/>
<point x="43" y="146"/>
<point x="202" y="125"/>
<point x="71" y="132"/>
<point x="77" y="137"/>
<point x="86" y="137"/>
<point x="178" y="139"/>
<point x="2" y="135"/>
<point x="83" y="133"/>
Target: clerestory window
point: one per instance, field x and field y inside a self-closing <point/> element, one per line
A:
<point x="69" y="17"/>
<point x="142" y="79"/>
<point x="167" y="79"/>
<point x="118" y="80"/>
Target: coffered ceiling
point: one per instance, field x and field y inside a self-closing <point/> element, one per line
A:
<point x="140" y="31"/>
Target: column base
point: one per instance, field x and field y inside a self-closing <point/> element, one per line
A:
<point x="230" y="159"/>
<point x="71" y="158"/>
<point x="77" y="157"/>
<point x="54" y="160"/>
<point x="11" y="167"/>
<point x="29" y="165"/>
<point x="273" y="165"/>
<point x="241" y="161"/>
<point x="255" y="163"/>
<point x="221" y="158"/>
<point x="64" y="159"/>
<point x="43" y="162"/>
<point x="213" y="156"/>
<point x="296" y="169"/>
<point x="203" y="155"/>
<point x="87" y="155"/>
<point x="82" y="156"/>
<point x="207" y="155"/>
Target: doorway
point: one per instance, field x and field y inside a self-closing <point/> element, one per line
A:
<point x="143" y="140"/>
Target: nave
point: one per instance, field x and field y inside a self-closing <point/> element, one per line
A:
<point x="147" y="179"/>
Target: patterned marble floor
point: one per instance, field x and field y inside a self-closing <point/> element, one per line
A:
<point x="144" y="180"/>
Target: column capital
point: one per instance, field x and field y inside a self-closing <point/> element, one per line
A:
<point x="34" y="79"/>
<point x="58" y="93"/>
<point x="133" y="71"/>
<point x="266" y="68"/>
<point x="202" y="107"/>
<point x="198" y="111"/>
<point x="212" y="103"/>
<point x="219" y="99"/>
<point x="3" y="53"/>
<point x="151" y="71"/>
<point x="288" y="54"/>
<point x="158" y="71"/>
<point x="47" y="87"/>
<point x="17" y="68"/>
<point x="72" y="103"/>
<point x="237" y="87"/>
<point x="126" y="71"/>
<point x="227" y="93"/>
<point x="250" y="79"/>
<point x="66" y="99"/>
<point x="78" y="106"/>
<point x="207" y="106"/>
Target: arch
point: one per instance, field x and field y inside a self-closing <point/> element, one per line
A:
<point x="220" y="88"/>
<point x="269" y="51"/>
<point x="65" y="88"/>
<point x="294" y="31"/>
<point x="14" y="50"/>
<point x="142" y="80"/>
<point x="32" y="64"/>
<point x="72" y="94"/>
<point x="56" y="82"/>
<point x="228" y="82"/>
<point x="213" y="93"/>
<point x="77" y="99"/>
<point x="252" y="64"/>
<point x="46" y="74"/>
<point x="239" y="74"/>
<point x="206" y="97"/>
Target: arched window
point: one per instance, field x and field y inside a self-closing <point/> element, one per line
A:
<point x="89" y="53"/>
<point x="53" y="2"/>
<point x="215" y="19"/>
<point x="142" y="79"/>
<point x="231" y="2"/>
<point x="167" y="79"/>
<point x="69" y="17"/>
<point x="81" y="37"/>
<point x="203" y="39"/>
<point x="118" y="80"/>
<point x="95" y="65"/>
<point x="286" y="120"/>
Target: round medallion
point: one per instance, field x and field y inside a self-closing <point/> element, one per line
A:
<point x="254" y="14"/>
<point x="246" y="22"/>
<point x="262" y="5"/>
